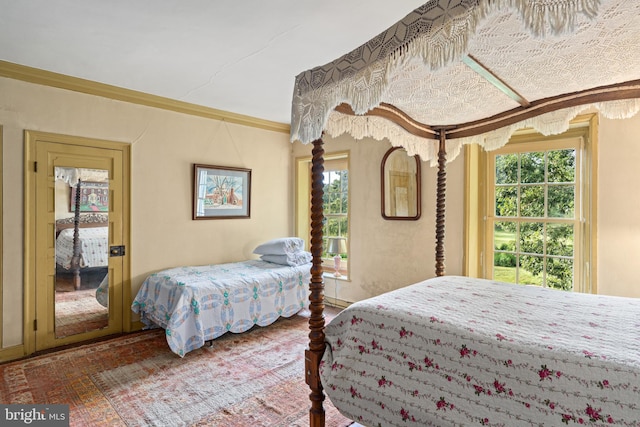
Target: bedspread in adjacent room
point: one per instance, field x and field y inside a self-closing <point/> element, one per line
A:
<point x="93" y="247"/>
<point x="460" y="351"/>
<point x="197" y="304"/>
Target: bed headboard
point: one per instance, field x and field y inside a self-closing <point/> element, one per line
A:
<point x="85" y="221"/>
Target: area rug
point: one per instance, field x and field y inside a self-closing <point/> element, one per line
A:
<point x="78" y="312"/>
<point x="250" y="379"/>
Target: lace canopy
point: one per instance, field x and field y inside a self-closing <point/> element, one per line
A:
<point x="477" y="70"/>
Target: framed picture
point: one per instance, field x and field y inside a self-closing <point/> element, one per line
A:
<point x="94" y="197"/>
<point x="221" y="192"/>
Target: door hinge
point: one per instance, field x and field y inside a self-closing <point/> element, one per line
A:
<point x="35" y="324"/>
<point x="35" y="166"/>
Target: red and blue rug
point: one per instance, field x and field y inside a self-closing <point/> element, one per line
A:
<point x="250" y="379"/>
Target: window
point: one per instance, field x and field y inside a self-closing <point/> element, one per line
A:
<point x="537" y="218"/>
<point x="534" y="224"/>
<point x="335" y="206"/>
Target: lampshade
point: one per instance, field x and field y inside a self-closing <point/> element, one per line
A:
<point x="337" y="245"/>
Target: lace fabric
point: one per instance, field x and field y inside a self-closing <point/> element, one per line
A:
<point x="541" y="48"/>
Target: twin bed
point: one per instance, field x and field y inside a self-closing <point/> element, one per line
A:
<point x="461" y="351"/>
<point x="196" y="304"/>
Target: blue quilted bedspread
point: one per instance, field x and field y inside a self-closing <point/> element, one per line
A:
<point x="197" y="304"/>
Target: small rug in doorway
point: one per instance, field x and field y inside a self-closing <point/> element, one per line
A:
<point x="250" y="379"/>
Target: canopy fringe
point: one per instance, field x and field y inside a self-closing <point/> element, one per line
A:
<point x="556" y="122"/>
<point x="434" y="36"/>
<point x="553" y="123"/>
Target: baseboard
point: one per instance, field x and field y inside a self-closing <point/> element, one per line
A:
<point x="136" y="326"/>
<point x="11" y="353"/>
<point x="17" y="352"/>
<point x="338" y="303"/>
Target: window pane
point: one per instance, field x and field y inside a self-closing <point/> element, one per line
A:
<point x="532" y="201"/>
<point x="345" y="202"/>
<point x="561" y="201"/>
<point x="504" y="259"/>
<point x="532" y="168"/>
<point x="325" y="201"/>
<point x="562" y="165"/>
<point x="560" y="273"/>
<point x="530" y="272"/>
<point x="506" y="201"/>
<point x="560" y="240"/>
<point x="343" y="223"/>
<point x="332" y="227"/>
<point x="507" y="169"/>
<point x="504" y="236"/>
<point x="504" y="274"/>
<point x="344" y="180"/>
<point x="335" y="203"/>
<point x="532" y="237"/>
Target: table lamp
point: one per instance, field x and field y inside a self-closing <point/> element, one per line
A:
<point x="337" y="246"/>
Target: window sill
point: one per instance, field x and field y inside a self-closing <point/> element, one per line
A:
<point x="334" y="277"/>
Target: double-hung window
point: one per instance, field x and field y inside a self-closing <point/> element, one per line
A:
<point x="537" y="219"/>
<point x="335" y="228"/>
<point x="535" y="214"/>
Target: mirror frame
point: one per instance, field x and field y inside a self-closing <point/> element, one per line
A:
<point x="384" y="190"/>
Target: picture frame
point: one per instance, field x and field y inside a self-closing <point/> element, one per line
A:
<point x="94" y="197"/>
<point x="221" y="192"/>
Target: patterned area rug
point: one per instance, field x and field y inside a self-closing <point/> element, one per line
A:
<point x="78" y="312"/>
<point x="250" y="379"/>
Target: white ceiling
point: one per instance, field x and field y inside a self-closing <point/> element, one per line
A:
<point x="232" y="55"/>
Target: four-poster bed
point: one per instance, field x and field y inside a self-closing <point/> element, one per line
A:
<point x="457" y="72"/>
<point x="82" y="240"/>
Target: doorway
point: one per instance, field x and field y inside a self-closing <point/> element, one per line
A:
<point x="76" y="239"/>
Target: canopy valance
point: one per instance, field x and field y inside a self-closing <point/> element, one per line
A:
<point x="477" y="70"/>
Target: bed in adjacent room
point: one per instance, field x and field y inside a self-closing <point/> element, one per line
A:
<point x="92" y="247"/>
<point x="196" y="304"/>
<point x="452" y="73"/>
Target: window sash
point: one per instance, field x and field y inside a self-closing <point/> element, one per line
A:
<point x="515" y="256"/>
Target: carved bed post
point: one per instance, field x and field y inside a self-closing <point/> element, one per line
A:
<point x="75" y="259"/>
<point x="440" y="206"/>
<point x="314" y="353"/>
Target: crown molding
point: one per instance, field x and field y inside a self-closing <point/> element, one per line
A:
<point x="62" y="81"/>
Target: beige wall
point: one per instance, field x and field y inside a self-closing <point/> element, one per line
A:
<point x="385" y="254"/>
<point x="164" y="147"/>
<point x="619" y="207"/>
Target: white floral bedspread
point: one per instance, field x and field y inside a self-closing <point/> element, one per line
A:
<point x="459" y="351"/>
<point x="197" y="304"/>
<point x="94" y="247"/>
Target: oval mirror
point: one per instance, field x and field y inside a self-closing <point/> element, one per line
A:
<point x="400" y="178"/>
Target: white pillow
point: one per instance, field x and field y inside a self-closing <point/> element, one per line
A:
<point x="281" y="246"/>
<point x="293" y="259"/>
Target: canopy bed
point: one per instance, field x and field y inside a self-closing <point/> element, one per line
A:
<point x="82" y="241"/>
<point x="456" y="72"/>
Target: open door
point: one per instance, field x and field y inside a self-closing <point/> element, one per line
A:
<point x="76" y="239"/>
